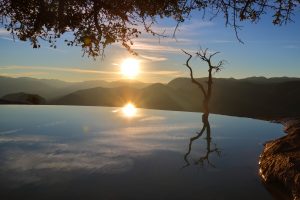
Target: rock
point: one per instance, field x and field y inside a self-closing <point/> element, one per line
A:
<point x="280" y="160"/>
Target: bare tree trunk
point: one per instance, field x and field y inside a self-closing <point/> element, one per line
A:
<point x="205" y="56"/>
<point x="206" y="100"/>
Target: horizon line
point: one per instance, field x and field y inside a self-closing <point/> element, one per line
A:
<point x="132" y="80"/>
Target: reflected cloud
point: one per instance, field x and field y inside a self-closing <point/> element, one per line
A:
<point x="115" y="149"/>
<point x="153" y="129"/>
<point x="108" y="151"/>
<point x="153" y="118"/>
<point x="22" y="139"/>
<point x="63" y="156"/>
<point x="28" y="166"/>
<point x="10" y="131"/>
<point x="51" y="124"/>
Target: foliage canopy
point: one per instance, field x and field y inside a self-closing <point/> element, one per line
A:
<point x="95" y="24"/>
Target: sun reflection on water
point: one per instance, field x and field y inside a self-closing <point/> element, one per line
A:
<point x="129" y="110"/>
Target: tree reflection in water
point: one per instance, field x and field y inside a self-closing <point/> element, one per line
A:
<point x="209" y="149"/>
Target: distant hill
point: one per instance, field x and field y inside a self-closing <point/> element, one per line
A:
<point x="251" y="97"/>
<point x="156" y="96"/>
<point x="28" y="85"/>
<point x="98" y="96"/>
<point x="263" y="98"/>
<point x="53" y="89"/>
<point x="261" y="79"/>
<point x="22" y="98"/>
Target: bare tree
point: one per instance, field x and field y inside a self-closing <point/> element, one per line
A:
<point x="205" y="56"/>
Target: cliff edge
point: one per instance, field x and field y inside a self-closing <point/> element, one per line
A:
<point x="280" y="160"/>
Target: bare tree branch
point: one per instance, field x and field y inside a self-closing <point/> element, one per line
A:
<point x="191" y="73"/>
<point x="205" y="56"/>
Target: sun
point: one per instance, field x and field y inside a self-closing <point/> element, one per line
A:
<point x="129" y="110"/>
<point x="130" y="68"/>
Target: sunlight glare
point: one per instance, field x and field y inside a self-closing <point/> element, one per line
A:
<point x="130" y="68"/>
<point x="129" y="110"/>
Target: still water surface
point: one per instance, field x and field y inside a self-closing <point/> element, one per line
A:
<point x="69" y="152"/>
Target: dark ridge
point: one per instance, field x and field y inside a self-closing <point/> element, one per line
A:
<point x="22" y="98"/>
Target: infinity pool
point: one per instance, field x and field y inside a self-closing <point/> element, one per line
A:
<point x="72" y="152"/>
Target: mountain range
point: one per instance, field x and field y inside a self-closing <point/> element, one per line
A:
<point x="53" y="88"/>
<point x="257" y="97"/>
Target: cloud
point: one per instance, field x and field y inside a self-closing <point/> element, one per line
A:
<point x="163" y="40"/>
<point x="185" y="28"/>
<point x="168" y="43"/>
<point x="163" y="47"/>
<point x="182" y="37"/>
<point x="195" y="25"/>
<point x="60" y="69"/>
<point x="163" y="72"/>
<point x="46" y="70"/>
<point x="23" y="74"/>
<point x="153" y="58"/>
<point x="155" y="48"/>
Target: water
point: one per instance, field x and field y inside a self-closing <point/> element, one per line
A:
<point x="69" y="152"/>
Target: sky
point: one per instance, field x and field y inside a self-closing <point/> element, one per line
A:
<point x="268" y="50"/>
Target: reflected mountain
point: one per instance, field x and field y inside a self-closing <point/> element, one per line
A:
<point x="209" y="150"/>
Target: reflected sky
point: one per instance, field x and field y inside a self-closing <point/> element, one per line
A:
<point x="87" y="152"/>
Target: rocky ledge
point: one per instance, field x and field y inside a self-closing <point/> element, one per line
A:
<point x="280" y="161"/>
